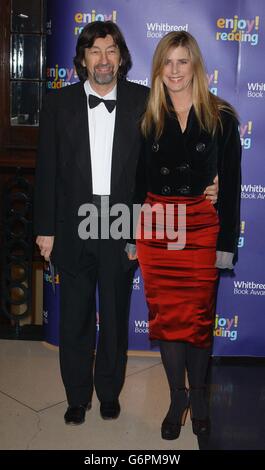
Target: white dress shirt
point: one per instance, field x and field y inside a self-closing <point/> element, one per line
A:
<point x="101" y="131"/>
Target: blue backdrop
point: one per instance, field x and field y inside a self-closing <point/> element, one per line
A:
<point x="231" y="37"/>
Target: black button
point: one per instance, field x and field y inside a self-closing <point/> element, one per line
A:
<point x="166" y="190"/>
<point x="164" y="171"/>
<point x="155" y="147"/>
<point x="183" y="167"/>
<point x="184" y="190"/>
<point x="200" y="147"/>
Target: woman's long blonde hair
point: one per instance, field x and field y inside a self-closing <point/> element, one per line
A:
<point x="206" y="105"/>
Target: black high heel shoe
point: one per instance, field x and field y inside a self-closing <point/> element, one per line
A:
<point x="201" y="425"/>
<point x="179" y="406"/>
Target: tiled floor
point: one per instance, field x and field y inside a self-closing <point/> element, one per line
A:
<point x="32" y="405"/>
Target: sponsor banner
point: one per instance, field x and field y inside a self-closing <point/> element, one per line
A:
<point x="232" y="39"/>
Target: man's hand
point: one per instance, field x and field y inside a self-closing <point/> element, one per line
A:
<point x="130" y="249"/>
<point x="45" y="245"/>
<point x="212" y="191"/>
<point x="132" y="257"/>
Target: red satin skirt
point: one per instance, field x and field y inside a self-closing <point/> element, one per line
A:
<point x="180" y="284"/>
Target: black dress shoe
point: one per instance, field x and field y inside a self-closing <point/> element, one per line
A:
<point x="110" y="409"/>
<point x="201" y="427"/>
<point x="199" y="411"/>
<point x="76" y="414"/>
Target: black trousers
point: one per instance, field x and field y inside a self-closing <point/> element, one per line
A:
<point x="103" y="263"/>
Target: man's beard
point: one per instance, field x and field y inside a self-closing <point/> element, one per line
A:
<point x="103" y="78"/>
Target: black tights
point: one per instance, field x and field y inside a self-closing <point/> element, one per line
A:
<point x="176" y="357"/>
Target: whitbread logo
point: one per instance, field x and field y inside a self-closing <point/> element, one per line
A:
<point x="252" y="191"/>
<point x="158" y="30"/>
<point x="141" y="81"/>
<point x="248" y="288"/>
<point x="141" y="326"/>
<point x="255" y="89"/>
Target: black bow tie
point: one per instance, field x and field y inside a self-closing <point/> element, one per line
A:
<point x="95" y="101"/>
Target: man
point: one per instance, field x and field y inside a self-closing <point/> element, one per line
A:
<point x="89" y="148"/>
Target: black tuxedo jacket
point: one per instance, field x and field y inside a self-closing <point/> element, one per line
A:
<point x="63" y="173"/>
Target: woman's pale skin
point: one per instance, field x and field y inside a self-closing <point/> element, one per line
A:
<point x="177" y="76"/>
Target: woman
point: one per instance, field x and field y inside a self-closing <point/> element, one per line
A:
<point x="190" y="135"/>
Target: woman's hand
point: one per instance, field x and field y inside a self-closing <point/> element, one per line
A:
<point x="212" y="191"/>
